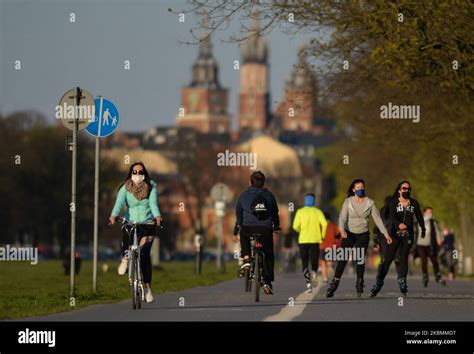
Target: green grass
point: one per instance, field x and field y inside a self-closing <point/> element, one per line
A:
<point x="33" y="290"/>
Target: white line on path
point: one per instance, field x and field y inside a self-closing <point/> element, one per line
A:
<point x="290" y="312"/>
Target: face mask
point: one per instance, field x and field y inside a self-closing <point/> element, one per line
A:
<point x="406" y="195"/>
<point x="138" y="178"/>
<point x="360" y="192"/>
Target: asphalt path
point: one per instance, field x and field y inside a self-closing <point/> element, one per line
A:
<point x="227" y="301"/>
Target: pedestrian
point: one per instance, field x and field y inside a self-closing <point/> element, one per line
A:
<point x="354" y="226"/>
<point x="428" y="247"/>
<point x="332" y="239"/>
<point x="402" y="210"/>
<point x="448" y="251"/>
<point x="311" y="225"/>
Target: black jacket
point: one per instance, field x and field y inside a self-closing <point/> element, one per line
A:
<point x="400" y="214"/>
<point x="244" y="213"/>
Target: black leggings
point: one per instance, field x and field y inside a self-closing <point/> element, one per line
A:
<point x="400" y="246"/>
<point x="309" y="251"/>
<point x="425" y="252"/>
<point x="145" y="250"/>
<point x="360" y="241"/>
<point x="267" y="242"/>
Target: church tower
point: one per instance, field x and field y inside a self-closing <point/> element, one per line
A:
<point x="254" y="98"/>
<point x="297" y="111"/>
<point x="204" y="100"/>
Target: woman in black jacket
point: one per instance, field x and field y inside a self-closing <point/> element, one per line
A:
<point x="401" y="210"/>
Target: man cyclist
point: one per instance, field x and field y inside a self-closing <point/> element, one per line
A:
<point x="257" y="213"/>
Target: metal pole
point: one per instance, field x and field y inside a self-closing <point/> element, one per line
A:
<point x="219" y="248"/>
<point x="73" y="195"/>
<point x="96" y="199"/>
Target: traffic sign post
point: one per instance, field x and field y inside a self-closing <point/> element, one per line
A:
<point x="100" y="127"/>
<point x="77" y="118"/>
<point x="221" y="194"/>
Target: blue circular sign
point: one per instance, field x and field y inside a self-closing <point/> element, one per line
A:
<point x="106" y="114"/>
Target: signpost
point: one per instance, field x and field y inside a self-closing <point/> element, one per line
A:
<point x="105" y="122"/>
<point x="221" y="194"/>
<point x="77" y="109"/>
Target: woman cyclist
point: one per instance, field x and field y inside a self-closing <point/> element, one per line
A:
<point x="354" y="226"/>
<point x="140" y="196"/>
<point x="402" y="208"/>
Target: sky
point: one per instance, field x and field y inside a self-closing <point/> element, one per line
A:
<point x="57" y="55"/>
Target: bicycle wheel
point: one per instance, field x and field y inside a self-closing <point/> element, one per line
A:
<point x="133" y="265"/>
<point x="256" y="277"/>
<point x="248" y="281"/>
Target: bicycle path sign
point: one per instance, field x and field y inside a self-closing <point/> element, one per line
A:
<point x="106" y="119"/>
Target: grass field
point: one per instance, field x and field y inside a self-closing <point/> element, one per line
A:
<point x="32" y="290"/>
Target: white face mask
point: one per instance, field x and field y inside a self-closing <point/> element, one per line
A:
<point x="138" y="178"/>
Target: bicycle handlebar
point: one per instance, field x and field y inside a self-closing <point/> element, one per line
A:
<point x="127" y="222"/>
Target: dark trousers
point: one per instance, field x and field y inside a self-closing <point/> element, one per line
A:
<point x="145" y="250"/>
<point x="360" y="241"/>
<point x="267" y="243"/>
<point x="309" y="251"/>
<point x="425" y="252"/>
<point x="401" y="247"/>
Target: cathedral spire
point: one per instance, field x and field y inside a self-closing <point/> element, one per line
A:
<point x="205" y="69"/>
<point x="254" y="49"/>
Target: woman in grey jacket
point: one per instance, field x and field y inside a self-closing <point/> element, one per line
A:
<point x="354" y="226"/>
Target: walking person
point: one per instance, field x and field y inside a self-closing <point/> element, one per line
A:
<point x="354" y="226"/>
<point x="402" y="209"/>
<point x="428" y="247"/>
<point x="311" y="225"/>
<point x="448" y="249"/>
<point x="331" y="240"/>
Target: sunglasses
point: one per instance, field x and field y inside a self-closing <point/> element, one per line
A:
<point x="138" y="172"/>
<point x="406" y="189"/>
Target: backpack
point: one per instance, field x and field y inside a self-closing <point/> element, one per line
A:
<point x="260" y="208"/>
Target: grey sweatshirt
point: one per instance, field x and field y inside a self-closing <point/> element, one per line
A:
<point x="354" y="217"/>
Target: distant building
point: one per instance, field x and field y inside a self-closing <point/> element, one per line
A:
<point x="254" y="96"/>
<point x="298" y="109"/>
<point x="204" y="101"/>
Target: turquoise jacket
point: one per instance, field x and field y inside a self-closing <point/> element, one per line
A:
<point x="140" y="211"/>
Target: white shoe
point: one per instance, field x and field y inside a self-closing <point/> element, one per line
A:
<point x="309" y="288"/>
<point x="122" y="268"/>
<point x="148" y="295"/>
<point x="314" y="279"/>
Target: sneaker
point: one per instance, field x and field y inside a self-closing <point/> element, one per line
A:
<point x="314" y="279"/>
<point x="267" y="289"/>
<point x="309" y="288"/>
<point x="148" y="295"/>
<point x="246" y="264"/>
<point x="122" y="268"/>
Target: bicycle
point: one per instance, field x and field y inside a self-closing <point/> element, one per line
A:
<point x="257" y="260"/>
<point x="133" y="254"/>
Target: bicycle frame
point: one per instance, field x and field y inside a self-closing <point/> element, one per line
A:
<point x="257" y="262"/>
<point x="133" y="255"/>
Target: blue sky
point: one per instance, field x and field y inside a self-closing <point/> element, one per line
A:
<point x="57" y="55"/>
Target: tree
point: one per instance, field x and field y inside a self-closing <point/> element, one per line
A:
<point x="375" y="52"/>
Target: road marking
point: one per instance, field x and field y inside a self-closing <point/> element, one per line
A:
<point x="289" y="313"/>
